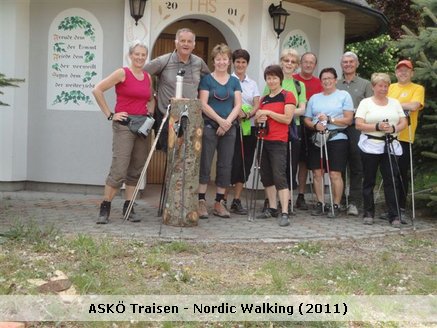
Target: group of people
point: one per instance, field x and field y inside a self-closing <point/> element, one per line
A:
<point x="300" y="122"/>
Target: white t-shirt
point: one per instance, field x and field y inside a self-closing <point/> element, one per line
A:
<point x="372" y="113"/>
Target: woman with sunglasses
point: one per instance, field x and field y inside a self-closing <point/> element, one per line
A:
<point x="220" y="95"/>
<point x="331" y="110"/>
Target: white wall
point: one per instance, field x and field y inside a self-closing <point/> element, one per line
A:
<point x="332" y="33"/>
<point x="14" y="59"/>
<point x="38" y="144"/>
<point x="70" y="146"/>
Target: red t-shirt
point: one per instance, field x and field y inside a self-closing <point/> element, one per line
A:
<point x="132" y="94"/>
<point x="312" y="86"/>
<point x="277" y="131"/>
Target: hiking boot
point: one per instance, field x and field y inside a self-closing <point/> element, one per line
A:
<point x="332" y="213"/>
<point x="395" y="222"/>
<point x="284" y="220"/>
<point x="404" y="216"/>
<point x="132" y="215"/>
<point x="266" y="205"/>
<point x="368" y="218"/>
<point x="300" y="203"/>
<point x="105" y="210"/>
<point x="237" y="208"/>
<point x="220" y="210"/>
<point x="403" y="220"/>
<point x="202" y="210"/>
<point x="352" y="210"/>
<point x="318" y="209"/>
<point x="268" y="213"/>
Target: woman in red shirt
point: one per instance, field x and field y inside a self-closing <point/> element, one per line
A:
<point x="275" y="113"/>
<point x="133" y="89"/>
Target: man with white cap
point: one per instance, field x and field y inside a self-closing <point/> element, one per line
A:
<point x="412" y="98"/>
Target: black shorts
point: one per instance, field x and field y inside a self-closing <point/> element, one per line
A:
<point x="337" y="155"/>
<point x="273" y="161"/>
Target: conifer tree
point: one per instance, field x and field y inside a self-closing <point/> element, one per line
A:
<point x="7" y="82"/>
<point x="421" y="48"/>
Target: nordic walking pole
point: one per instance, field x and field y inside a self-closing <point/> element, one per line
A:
<point x="163" y="190"/>
<point x="387" y="142"/>
<point x="347" y="188"/>
<point x="328" y="171"/>
<point x="143" y="172"/>
<point x="309" y="174"/>
<point x="255" y="180"/>
<point x="379" y="190"/>
<point x="410" y="145"/>
<point x="244" y="166"/>
<point x="322" y="171"/>
<point x="291" y="178"/>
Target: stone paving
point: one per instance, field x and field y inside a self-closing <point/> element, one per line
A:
<point x="77" y="213"/>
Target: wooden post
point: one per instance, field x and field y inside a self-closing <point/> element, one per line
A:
<point x="183" y="163"/>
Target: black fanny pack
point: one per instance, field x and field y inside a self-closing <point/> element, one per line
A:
<point x="139" y="124"/>
<point x="319" y="141"/>
<point x="389" y="137"/>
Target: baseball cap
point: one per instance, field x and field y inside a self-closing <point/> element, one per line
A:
<point x="406" y="63"/>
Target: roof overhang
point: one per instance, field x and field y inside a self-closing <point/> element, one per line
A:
<point x="362" y="22"/>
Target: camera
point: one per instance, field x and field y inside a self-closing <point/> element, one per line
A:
<point x="181" y="72"/>
<point x="147" y="126"/>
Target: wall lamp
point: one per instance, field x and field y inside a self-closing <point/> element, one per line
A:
<point x="137" y="9"/>
<point x="279" y="16"/>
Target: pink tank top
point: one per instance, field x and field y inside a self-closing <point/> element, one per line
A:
<point x="132" y="94"/>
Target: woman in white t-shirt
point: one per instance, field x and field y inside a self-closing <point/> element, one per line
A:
<point x="379" y="118"/>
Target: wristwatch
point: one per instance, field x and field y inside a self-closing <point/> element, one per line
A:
<point x="110" y="116"/>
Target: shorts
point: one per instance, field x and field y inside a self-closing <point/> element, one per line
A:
<point x="337" y="155"/>
<point x="273" y="164"/>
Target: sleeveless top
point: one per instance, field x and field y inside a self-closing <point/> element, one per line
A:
<point x="132" y="94"/>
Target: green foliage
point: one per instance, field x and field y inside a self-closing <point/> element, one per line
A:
<point x="59" y="47"/>
<point x="75" y="96"/>
<point x="73" y="22"/>
<point x="7" y="82"/>
<point x="89" y="56"/>
<point x="421" y="48"/>
<point x="376" y="55"/>
<point x="398" y="13"/>
<point x="88" y="76"/>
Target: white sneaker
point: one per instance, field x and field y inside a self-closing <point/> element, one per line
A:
<point x="352" y="210"/>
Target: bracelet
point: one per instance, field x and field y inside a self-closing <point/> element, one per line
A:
<point x="315" y="125"/>
<point x="377" y="127"/>
<point x="394" y="128"/>
<point x="110" y="117"/>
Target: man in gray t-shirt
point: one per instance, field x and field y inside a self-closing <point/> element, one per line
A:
<point x="359" y="89"/>
<point x="166" y="67"/>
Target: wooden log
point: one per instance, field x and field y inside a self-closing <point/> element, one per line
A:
<point x="183" y="164"/>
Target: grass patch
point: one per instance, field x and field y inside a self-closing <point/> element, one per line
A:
<point x="388" y="265"/>
<point x="306" y="248"/>
<point x="29" y="231"/>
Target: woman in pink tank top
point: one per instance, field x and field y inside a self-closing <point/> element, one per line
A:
<point x="133" y="89"/>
